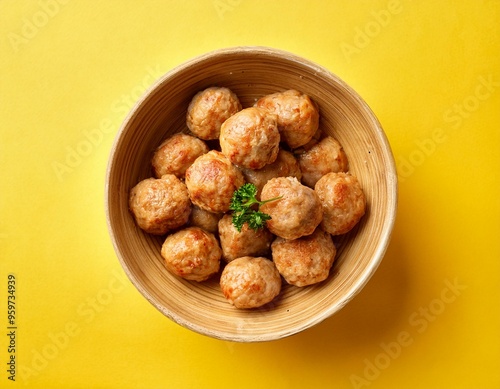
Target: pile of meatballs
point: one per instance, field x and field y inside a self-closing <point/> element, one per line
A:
<point x="276" y="145"/>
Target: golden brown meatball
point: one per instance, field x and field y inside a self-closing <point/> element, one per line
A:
<point x="343" y="202"/>
<point x="250" y="282"/>
<point x="176" y="154"/>
<point x="297" y="213"/>
<point x="209" y="109"/>
<point x="211" y="181"/>
<point x="160" y="205"/>
<point x="248" y="242"/>
<point x="209" y="221"/>
<point x="286" y="165"/>
<point x="250" y="138"/>
<point x="192" y="253"/>
<point x="318" y="135"/>
<point x="324" y="157"/>
<point x="298" y="116"/>
<point x="306" y="260"/>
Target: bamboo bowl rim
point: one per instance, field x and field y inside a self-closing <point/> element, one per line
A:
<point x="160" y="112"/>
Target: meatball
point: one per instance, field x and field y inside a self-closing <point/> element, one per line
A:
<point x="176" y="154"/>
<point x="209" y="109"/>
<point x="306" y="260"/>
<point x="318" y="135"/>
<point x="204" y="219"/>
<point x="286" y="165"/>
<point x="324" y="157"/>
<point x="192" y="253"/>
<point x="250" y="282"/>
<point x="343" y="202"/>
<point x="160" y="204"/>
<point x="248" y="242"/>
<point x="211" y="181"/>
<point x="298" y="116"/>
<point x="250" y="138"/>
<point x="297" y="213"/>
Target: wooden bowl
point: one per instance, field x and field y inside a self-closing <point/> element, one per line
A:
<point x="251" y="72"/>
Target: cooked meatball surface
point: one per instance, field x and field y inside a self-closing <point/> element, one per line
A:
<point x="250" y="138"/>
<point x="176" y="154"/>
<point x="306" y="260"/>
<point x="324" y="157"/>
<point x="286" y="165"/>
<point x="298" y="116"/>
<point x="250" y="282"/>
<point x="209" y="221"/>
<point x="248" y="242"/>
<point x="318" y="135"/>
<point x="160" y="205"/>
<point x="297" y="213"/>
<point x="343" y="202"/>
<point x="211" y="181"/>
<point x="192" y="253"/>
<point x="209" y="109"/>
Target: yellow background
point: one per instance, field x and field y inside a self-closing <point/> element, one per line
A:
<point x="430" y="70"/>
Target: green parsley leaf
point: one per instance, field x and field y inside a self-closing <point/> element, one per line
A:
<point x="242" y="205"/>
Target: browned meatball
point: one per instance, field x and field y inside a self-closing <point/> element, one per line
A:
<point x="343" y="202"/>
<point x="298" y="116"/>
<point x="306" y="260"/>
<point x="286" y="165"/>
<point x="209" y="221"/>
<point x="250" y="282"/>
<point x="209" y="109"/>
<point x="176" y="154"/>
<point x="250" y="138"/>
<point x="324" y="157"/>
<point x="160" y="205"/>
<point x="248" y="242"/>
<point x="318" y="135"/>
<point x="297" y="213"/>
<point x="192" y="253"/>
<point x="211" y="181"/>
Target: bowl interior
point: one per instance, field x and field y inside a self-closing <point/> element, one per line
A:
<point x="251" y="72"/>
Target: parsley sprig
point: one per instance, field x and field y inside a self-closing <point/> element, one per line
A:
<point x="243" y="206"/>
